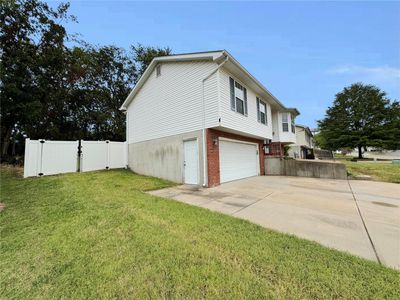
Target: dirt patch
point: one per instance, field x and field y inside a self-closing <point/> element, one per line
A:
<point x="17" y="169"/>
<point x="2" y="206"/>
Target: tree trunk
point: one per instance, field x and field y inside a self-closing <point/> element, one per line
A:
<point x="6" y="142"/>
<point x="360" y="151"/>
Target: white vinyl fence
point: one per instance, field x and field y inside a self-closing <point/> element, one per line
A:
<point x="54" y="157"/>
<point x="98" y="155"/>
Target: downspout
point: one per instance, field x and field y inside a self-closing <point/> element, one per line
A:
<point x="126" y="139"/>
<point x="205" y="173"/>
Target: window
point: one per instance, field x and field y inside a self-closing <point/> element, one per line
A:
<point x="285" y="122"/>
<point x="293" y="125"/>
<point x="261" y="112"/>
<point x="238" y="97"/>
<point x="158" y="70"/>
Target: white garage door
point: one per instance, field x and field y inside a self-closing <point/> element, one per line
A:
<point x="237" y="160"/>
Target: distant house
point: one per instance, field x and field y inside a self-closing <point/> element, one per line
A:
<point x="303" y="148"/>
<point x="202" y="118"/>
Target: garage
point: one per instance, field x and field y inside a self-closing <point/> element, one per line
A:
<point x="237" y="160"/>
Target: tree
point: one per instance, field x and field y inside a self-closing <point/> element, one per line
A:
<point x="104" y="78"/>
<point x="32" y="48"/>
<point x="361" y="116"/>
<point x="143" y="55"/>
<point x="52" y="91"/>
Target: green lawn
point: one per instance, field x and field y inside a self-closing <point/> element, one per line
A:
<point x="379" y="171"/>
<point x="98" y="235"/>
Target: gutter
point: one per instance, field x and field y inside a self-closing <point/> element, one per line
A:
<point x="205" y="171"/>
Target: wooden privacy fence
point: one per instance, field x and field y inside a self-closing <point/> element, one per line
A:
<point x="44" y="157"/>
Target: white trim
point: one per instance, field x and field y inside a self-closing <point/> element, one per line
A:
<point x="26" y="157"/>
<point x="256" y="81"/>
<point x="213" y="56"/>
<point x="219" y="94"/>
<point x="266" y="111"/>
<point x="198" y="159"/>
<point x="245" y="142"/>
<point x="237" y="141"/>
<point x="234" y="92"/>
<point x="242" y="142"/>
<point x="203" y="131"/>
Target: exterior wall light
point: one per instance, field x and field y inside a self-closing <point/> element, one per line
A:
<point x="215" y="140"/>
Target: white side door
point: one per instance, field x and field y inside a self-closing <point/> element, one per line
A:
<point x="191" y="162"/>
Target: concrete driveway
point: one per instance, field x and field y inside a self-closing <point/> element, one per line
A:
<point x="360" y="217"/>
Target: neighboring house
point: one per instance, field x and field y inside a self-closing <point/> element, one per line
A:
<point x="303" y="148"/>
<point x="202" y="118"/>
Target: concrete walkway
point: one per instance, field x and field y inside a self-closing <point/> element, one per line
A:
<point x="360" y="217"/>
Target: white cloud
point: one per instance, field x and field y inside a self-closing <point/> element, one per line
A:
<point x="382" y="73"/>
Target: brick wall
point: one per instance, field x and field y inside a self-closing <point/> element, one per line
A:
<point x="213" y="153"/>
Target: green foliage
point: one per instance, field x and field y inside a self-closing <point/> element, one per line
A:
<point x="361" y="116"/>
<point x="144" y="55"/>
<point x="52" y="91"/>
<point x="98" y="235"/>
<point x="32" y="63"/>
<point x="319" y="140"/>
<point x="286" y="149"/>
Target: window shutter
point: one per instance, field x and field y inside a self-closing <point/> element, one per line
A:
<point x="258" y="110"/>
<point x="245" y="100"/>
<point x="232" y="84"/>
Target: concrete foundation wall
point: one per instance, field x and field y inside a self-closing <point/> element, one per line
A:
<point x="273" y="166"/>
<point x="305" y="168"/>
<point x="164" y="157"/>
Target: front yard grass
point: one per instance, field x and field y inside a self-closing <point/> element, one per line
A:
<point x="379" y="171"/>
<point x="99" y="235"/>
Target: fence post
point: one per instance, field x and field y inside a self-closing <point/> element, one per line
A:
<point x="41" y="157"/>
<point x="26" y="157"/>
<point x="79" y="156"/>
<point x="126" y="152"/>
<point x="108" y="154"/>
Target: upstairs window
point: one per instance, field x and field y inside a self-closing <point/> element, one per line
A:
<point x="238" y="97"/>
<point x="285" y="122"/>
<point x="261" y="112"/>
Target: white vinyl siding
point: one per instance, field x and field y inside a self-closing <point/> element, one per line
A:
<point x="302" y="137"/>
<point x="172" y="103"/>
<point x="238" y="122"/>
<point x="308" y="140"/>
<point x="281" y="135"/>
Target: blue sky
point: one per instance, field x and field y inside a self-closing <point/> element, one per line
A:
<point x="303" y="52"/>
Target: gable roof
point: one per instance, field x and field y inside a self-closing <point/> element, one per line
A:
<point x="218" y="56"/>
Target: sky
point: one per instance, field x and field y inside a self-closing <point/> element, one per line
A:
<point x="302" y="52"/>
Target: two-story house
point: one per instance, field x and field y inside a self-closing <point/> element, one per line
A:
<point x="202" y="118"/>
<point x="304" y="143"/>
